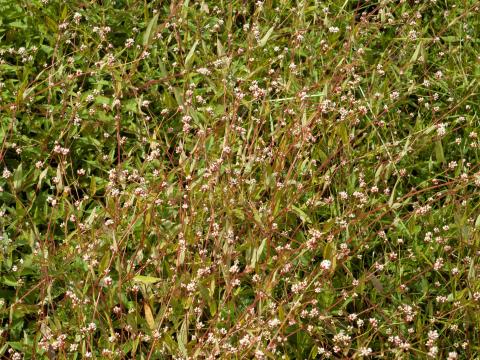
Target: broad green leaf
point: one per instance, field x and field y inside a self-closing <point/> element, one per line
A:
<point x="301" y="214"/>
<point x="146" y="279"/>
<point x="93" y="186"/>
<point x="149" y="315"/>
<point x="17" y="178"/>
<point x="148" y="32"/>
<point x="439" y="151"/>
<point x="190" y="56"/>
<point x="182" y="337"/>
<point x="263" y="41"/>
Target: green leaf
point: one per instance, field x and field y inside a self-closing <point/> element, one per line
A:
<point x="146" y="279"/>
<point x="17" y="178"/>
<point x="18" y="24"/>
<point x="416" y="52"/>
<point x="182" y="337"/>
<point x="190" y="55"/>
<point x="263" y="41"/>
<point x="148" y="33"/>
<point x="330" y="253"/>
<point x="93" y="186"/>
<point x="60" y="178"/>
<point x="220" y="49"/>
<point x="477" y="222"/>
<point x="149" y="315"/>
<point x="376" y="283"/>
<point x="257" y="253"/>
<point x="439" y="151"/>
<point x="301" y="214"/>
<point x="392" y="195"/>
<point x="9" y="281"/>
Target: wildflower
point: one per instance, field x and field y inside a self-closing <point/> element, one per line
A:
<point x="17" y="356"/>
<point x="129" y="43"/>
<point x="77" y="17"/>
<point x="92" y="327"/>
<point x="452" y="355"/>
<point x="234" y="268"/>
<point x="325" y="264"/>
<point x="365" y="351"/>
<point x="259" y="354"/>
<point x="107" y="280"/>
<point x="412" y="35"/>
<point x="204" y="71"/>
<point x="438" y="75"/>
<point x="273" y="323"/>
<point x="6" y="173"/>
<point x="441" y="131"/>
<point x="394" y="95"/>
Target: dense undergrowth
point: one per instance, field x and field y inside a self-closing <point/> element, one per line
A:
<point x="237" y="179"/>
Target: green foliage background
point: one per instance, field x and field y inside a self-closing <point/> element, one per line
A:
<point x="239" y="179"/>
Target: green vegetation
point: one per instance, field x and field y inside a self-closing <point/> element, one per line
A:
<point x="203" y="179"/>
